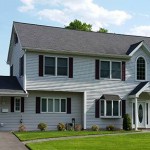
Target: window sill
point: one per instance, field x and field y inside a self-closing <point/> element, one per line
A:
<point x="110" y="79"/>
<point x="110" y="117"/>
<point x="53" y="112"/>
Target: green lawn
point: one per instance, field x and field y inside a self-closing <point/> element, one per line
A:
<point x="26" y="136"/>
<point x="118" y="142"/>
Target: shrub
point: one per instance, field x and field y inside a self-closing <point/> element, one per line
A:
<point x="61" y="127"/>
<point x="78" y="127"/>
<point x="110" y="128"/>
<point x="42" y="126"/>
<point x="95" y="128"/>
<point x="127" y="122"/>
<point x="22" y="128"/>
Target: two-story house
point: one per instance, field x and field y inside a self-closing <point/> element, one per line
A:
<point x="58" y="75"/>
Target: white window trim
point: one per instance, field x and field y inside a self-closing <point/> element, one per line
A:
<point x="56" y="58"/>
<point x="15" y="104"/>
<point x="119" y="109"/>
<point x="136" y="69"/>
<point x="110" y="62"/>
<point x="53" y="105"/>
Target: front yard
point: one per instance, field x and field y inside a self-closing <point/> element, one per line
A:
<point x="26" y="136"/>
<point x="116" y="142"/>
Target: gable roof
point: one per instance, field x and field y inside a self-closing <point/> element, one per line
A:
<point x="139" y="88"/>
<point x="9" y="86"/>
<point x="39" y="37"/>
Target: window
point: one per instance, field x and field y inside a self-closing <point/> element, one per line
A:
<point x="111" y="70"/>
<point x="50" y="65"/>
<point x="56" y="66"/>
<point x="62" y="66"/>
<point x="53" y="105"/>
<point x="141" y="66"/>
<point x="21" y="66"/>
<point x="110" y="108"/>
<point x="17" y="105"/>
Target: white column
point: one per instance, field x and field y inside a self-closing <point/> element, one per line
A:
<point x="136" y="114"/>
<point x="84" y="113"/>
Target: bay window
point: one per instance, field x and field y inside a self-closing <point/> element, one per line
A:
<point x="110" y="108"/>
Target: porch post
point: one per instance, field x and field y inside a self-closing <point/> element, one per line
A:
<point x="84" y="113"/>
<point x="136" y="114"/>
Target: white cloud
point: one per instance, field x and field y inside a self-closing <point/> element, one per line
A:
<point x="64" y="11"/>
<point x="28" y="5"/>
<point x="141" y="30"/>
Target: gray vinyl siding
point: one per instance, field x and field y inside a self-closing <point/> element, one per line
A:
<point x="17" y="53"/>
<point x="11" y="120"/>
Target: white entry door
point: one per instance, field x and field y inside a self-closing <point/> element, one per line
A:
<point x="141" y="115"/>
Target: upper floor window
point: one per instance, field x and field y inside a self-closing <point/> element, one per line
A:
<point x="141" y="68"/>
<point x="110" y="69"/>
<point x="56" y="66"/>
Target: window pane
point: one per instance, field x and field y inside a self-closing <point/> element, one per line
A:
<point x="62" y="66"/>
<point x="44" y="104"/>
<point x="115" y="108"/>
<point x="17" y="106"/>
<point x="140" y="69"/>
<point x="63" y="105"/>
<point x="50" y="105"/>
<point x="102" y="108"/>
<point x="56" y="105"/>
<point x="116" y="70"/>
<point x="105" y="69"/>
<point x="108" y="108"/>
<point x="50" y="65"/>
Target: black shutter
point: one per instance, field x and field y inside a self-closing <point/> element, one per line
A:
<point x="12" y="104"/>
<point x="21" y="66"/>
<point x="97" y="109"/>
<point x="68" y="105"/>
<point x="70" y="67"/>
<point x="97" y="69"/>
<point x="123" y="71"/>
<point x="38" y="105"/>
<point x="123" y="108"/>
<point x="11" y="70"/>
<point x="22" y="104"/>
<point x="40" y="65"/>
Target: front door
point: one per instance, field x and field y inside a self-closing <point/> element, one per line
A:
<point x="141" y="115"/>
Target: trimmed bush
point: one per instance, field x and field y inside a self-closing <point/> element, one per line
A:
<point x="22" y="128"/>
<point x="42" y="126"/>
<point x="110" y="128"/>
<point x="61" y="127"/>
<point x="78" y="127"/>
<point x="127" y="122"/>
<point x="95" y="128"/>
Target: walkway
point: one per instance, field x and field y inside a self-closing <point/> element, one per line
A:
<point x="8" y="141"/>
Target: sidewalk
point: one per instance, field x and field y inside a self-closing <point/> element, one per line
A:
<point x="8" y="141"/>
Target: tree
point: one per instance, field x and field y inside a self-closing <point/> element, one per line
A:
<point x="103" y="30"/>
<point x="78" y="25"/>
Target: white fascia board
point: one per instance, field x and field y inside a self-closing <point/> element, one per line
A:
<point x="142" y="89"/>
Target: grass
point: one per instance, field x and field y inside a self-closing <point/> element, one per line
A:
<point x="118" y="142"/>
<point x="26" y="136"/>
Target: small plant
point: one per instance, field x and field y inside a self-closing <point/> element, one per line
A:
<point x="61" y="127"/>
<point x="22" y="128"/>
<point x="78" y="127"/>
<point x="127" y="122"/>
<point x="42" y="126"/>
<point x="110" y="128"/>
<point x="95" y="128"/>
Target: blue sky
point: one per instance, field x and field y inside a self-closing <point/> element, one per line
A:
<point x="118" y="16"/>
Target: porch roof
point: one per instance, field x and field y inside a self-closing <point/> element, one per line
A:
<point x="139" y="89"/>
<point x="9" y="86"/>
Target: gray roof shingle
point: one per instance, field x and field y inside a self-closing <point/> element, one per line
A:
<point x="60" y="39"/>
<point x="10" y="86"/>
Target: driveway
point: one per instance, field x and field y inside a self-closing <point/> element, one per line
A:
<point x="8" y="141"/>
